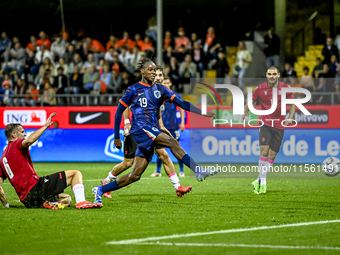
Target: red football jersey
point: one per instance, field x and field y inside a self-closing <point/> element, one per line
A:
<point x="265" y="93"/>
<point x="16" y="165"/>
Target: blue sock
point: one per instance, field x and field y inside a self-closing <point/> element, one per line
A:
<point x="159" y="165"/>
<point x="189" y="162"/>
<point x="110" y="187"/>
<point x="180" y="163"/>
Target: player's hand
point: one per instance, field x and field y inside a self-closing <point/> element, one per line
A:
<point x="49" y="121"/>
<point x="244" y="115"/>
<point x="211" y="114"/>
<point x="127" y="128"/>
<point x="118" y="143"/>
<point x="288" y="122"/>
<point x="182" y="127"/>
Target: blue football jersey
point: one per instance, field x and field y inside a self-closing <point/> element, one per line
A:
<point x="144" y="101"/>
<point x="169" y="115"/>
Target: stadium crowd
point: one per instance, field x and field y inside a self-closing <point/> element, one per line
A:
<point x="47" y="66"/>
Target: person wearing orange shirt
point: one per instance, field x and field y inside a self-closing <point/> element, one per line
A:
<point x="113" y="42"/>
<point x="126" y="41"/>
<point x="97" y="48"/>
<point x="168" y="41"/>
<point x="32" y="45"/>
<point x="147" y="45"/>
<point x="211" y="44"/>
<point x="44" y="41"/>
<point x="32" y="96"/>
<point x="182" y="40"/>
<point x="138" y="41"/>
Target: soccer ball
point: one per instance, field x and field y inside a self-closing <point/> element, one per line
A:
<point x="331" y="166"/>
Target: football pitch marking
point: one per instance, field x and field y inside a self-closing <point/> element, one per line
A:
<point x="240" y="245"/>
<point x="150" y="240"/>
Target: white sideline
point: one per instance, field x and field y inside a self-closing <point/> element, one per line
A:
<point x="240" y="245"/>
<point x="225" y="231"/>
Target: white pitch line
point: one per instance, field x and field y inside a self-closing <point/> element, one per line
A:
<point x="242" y="245"/>
<point x="225" y="231"/>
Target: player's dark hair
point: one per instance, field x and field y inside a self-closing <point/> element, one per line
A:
<point x="159" y="68"/>
<point x="273" y="67"/>
<point x="140" y="65"/>
<point x="10" y="128"/>
<point x="167" y="78"/>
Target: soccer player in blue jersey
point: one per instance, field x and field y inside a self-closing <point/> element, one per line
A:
<point x="145" y="99"/>
<point x="169" y="116"/>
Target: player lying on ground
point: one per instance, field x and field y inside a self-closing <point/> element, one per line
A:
<point x="130" y="147"/>
<point x="34" y="191"/>
<point x="145" y="99"/>
<point x="271" y="133"/>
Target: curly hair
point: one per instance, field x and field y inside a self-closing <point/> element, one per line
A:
<point x="141" y="64"/>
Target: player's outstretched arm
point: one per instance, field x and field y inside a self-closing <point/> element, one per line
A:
<point x="35" y="136"/>
<point x="291" y="115"/>
<point x="190" y="107"/>
<point x="118" y="118"/>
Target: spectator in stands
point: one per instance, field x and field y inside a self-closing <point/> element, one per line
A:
<point x="77" y="61"/>
<point x="109" y="55"/>
<point x="106" y="75"/>
<point x="294" y="83"/>
<point x="124" y="57"/>
<point x="243" y="59"/>
<point x="168" y="41"/>
<point x="100" y="67"/>
<point x="288" y="72"/>
<point x="147" y="47"/>
<point x="58" y="48"/>
<point x="6" y="93"/>
<point x="168" y="54"/>
<point x="198" y="57"/>
<point x="194" y="39"/>
<point x="119" y="67"/>
<point x="182" y="53"/>
<point x="5" y="46"/>
<point x="126" y="81"/>
<point x="337" y="40"/>
<point x="46" y="65"/>
<point x="44" y="42"/>
<point x="272" y="48"/>
<point x="115" y="84"/>
<point x="49" y="95"/>
<point x="318" y="68"/>
<point x="337" y="84"/>
<point x="84" y="51"/>
<point x="69" y="53"/>
<point x="135" y="57"/>
<point x="182" y="40"/>
<point x="328" y="50"/>
<point x="8" y="78"/>
<point x="47" y="77"/>
<point x="60" y="81"/>
<point x="187" y="70"/>
<point x="112" y="43"/>
<point x="39" y="59"/>
<point x="307" y="80"/>
<point x="138" y="41"/>
<point x="30" y="61"/>
<point x="126" y="41"/>
<point x="19" y="89"/>
<point x="90" y="78"/>
<point x="18" y="60"/>
<point x="75" y="82"/>
<point x="90" y="61"/>
<point x="96" y="48"/>
<point x="32" y="45"/>
<point x="174" y="72"/>
<point x="212" y="44"/>
<point x="222" y="67"/>
<point x="61" y="63"/>
<point x="333" y="65"/>
<point x="326" y="84"/>
<point x="32" y="96"/>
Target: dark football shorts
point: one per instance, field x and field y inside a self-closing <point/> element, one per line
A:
<point x="175" y="133"/>
<point x="271" y="136"/>
<point x="46" y="188"/>
<point x="130" y="146"/>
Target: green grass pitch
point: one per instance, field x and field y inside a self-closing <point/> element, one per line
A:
<point x="219" y="216"/>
